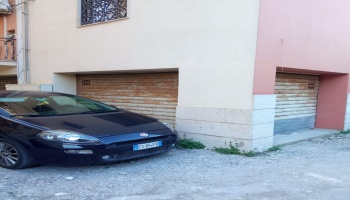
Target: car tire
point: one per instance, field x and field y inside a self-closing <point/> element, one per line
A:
<point x="13" y="155"/>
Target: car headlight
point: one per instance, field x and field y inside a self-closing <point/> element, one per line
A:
<point x="67" y="136"/>
<point x="169" y="126"/>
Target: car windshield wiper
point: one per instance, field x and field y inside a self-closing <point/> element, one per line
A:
<point x="107" y="111"/>
<point x="88" y="112"/>
<point x="80" y="113"/>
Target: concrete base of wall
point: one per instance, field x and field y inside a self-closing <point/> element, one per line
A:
<point x="263" y="122"/>
<point x="215" y="127"/>
<point x="211" y="141"/>
<point x="219" y="127"/>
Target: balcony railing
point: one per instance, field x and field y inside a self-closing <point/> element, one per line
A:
<point x="8" y="48"/>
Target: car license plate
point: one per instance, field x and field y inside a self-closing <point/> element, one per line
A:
<point x="147" y="145"/>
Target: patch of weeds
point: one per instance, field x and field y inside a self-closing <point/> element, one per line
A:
<point x="231" y="150"/>
<point x="190" y="144"/>
<point x="345" y="131"/>
<point x="235" y="151"/>
<point x="274" y="148"/>
<point x="250" y="153"/>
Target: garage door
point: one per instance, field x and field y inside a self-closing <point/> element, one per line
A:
<point x="7" y="80"/>
<point x="296" y="102"/>
<point x="153" y="94"/>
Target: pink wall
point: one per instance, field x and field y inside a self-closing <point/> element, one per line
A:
<point x="331" y="105"/>
<point x="310" y="37"/>
<point x="304" y="35"/>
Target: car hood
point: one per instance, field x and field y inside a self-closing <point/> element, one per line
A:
<point x="99" y="125"/>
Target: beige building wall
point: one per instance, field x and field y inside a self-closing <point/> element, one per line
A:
<point x="211" y="43"/>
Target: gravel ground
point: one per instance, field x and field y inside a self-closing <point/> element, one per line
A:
<point x="316" y="169"/>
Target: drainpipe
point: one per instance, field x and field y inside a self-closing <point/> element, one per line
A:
<point x="21" y="71"/>
<point x="22" y="41"/>
<point x="26" y="56"/>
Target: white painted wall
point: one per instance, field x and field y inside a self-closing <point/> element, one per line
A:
<point x="347" y="114"/>
<point x="65" y="83"/>
<point x="212" y="43"/>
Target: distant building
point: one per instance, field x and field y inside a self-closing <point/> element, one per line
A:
<point x="8" y="43"/>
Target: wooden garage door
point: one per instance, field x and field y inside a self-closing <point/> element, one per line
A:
<point x="153" y="94"/>
<point x="296" y="102"/>
<point x="7" y="80"/>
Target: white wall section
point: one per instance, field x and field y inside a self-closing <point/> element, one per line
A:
<point x="216" y="127"/>
<point x="263" y="121"/>
<point x="347" y="115"/>
<point x="65" y="83"/>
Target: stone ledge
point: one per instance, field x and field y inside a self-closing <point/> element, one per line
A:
<point x="214" y="128"/>
<point x="214" y="141"/>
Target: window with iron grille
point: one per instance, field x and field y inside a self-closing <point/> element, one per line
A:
<point x="95" y="11"/>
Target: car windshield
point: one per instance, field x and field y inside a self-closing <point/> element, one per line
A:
<point x="51" y="104"/>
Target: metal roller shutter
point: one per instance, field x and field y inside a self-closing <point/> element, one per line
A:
<point x="296" y="102"/>
<point x="153" y="94"/>
<point x="7" y="80"/>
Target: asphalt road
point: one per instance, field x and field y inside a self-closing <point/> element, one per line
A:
<point x="316" y="169"/>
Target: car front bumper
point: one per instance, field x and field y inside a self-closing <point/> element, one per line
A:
<point x="108" y="151"/>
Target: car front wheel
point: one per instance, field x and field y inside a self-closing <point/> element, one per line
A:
<point x="13" y="155"/>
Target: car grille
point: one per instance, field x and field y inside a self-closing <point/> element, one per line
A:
<point x="126" y="148"/>
<point x="138" y="154"/>
<point x="165" y="139"/>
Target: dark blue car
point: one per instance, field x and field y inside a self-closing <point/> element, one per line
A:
<point x="56" y="128"/>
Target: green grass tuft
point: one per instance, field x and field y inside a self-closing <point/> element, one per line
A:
<point x="250" y="154"/>
<point x="190" y="144"/>
<point x="231" y="150"/>
<point x="345" y="131"/>
<point x="234" y="151"/>
<point x="274" y="148"/>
